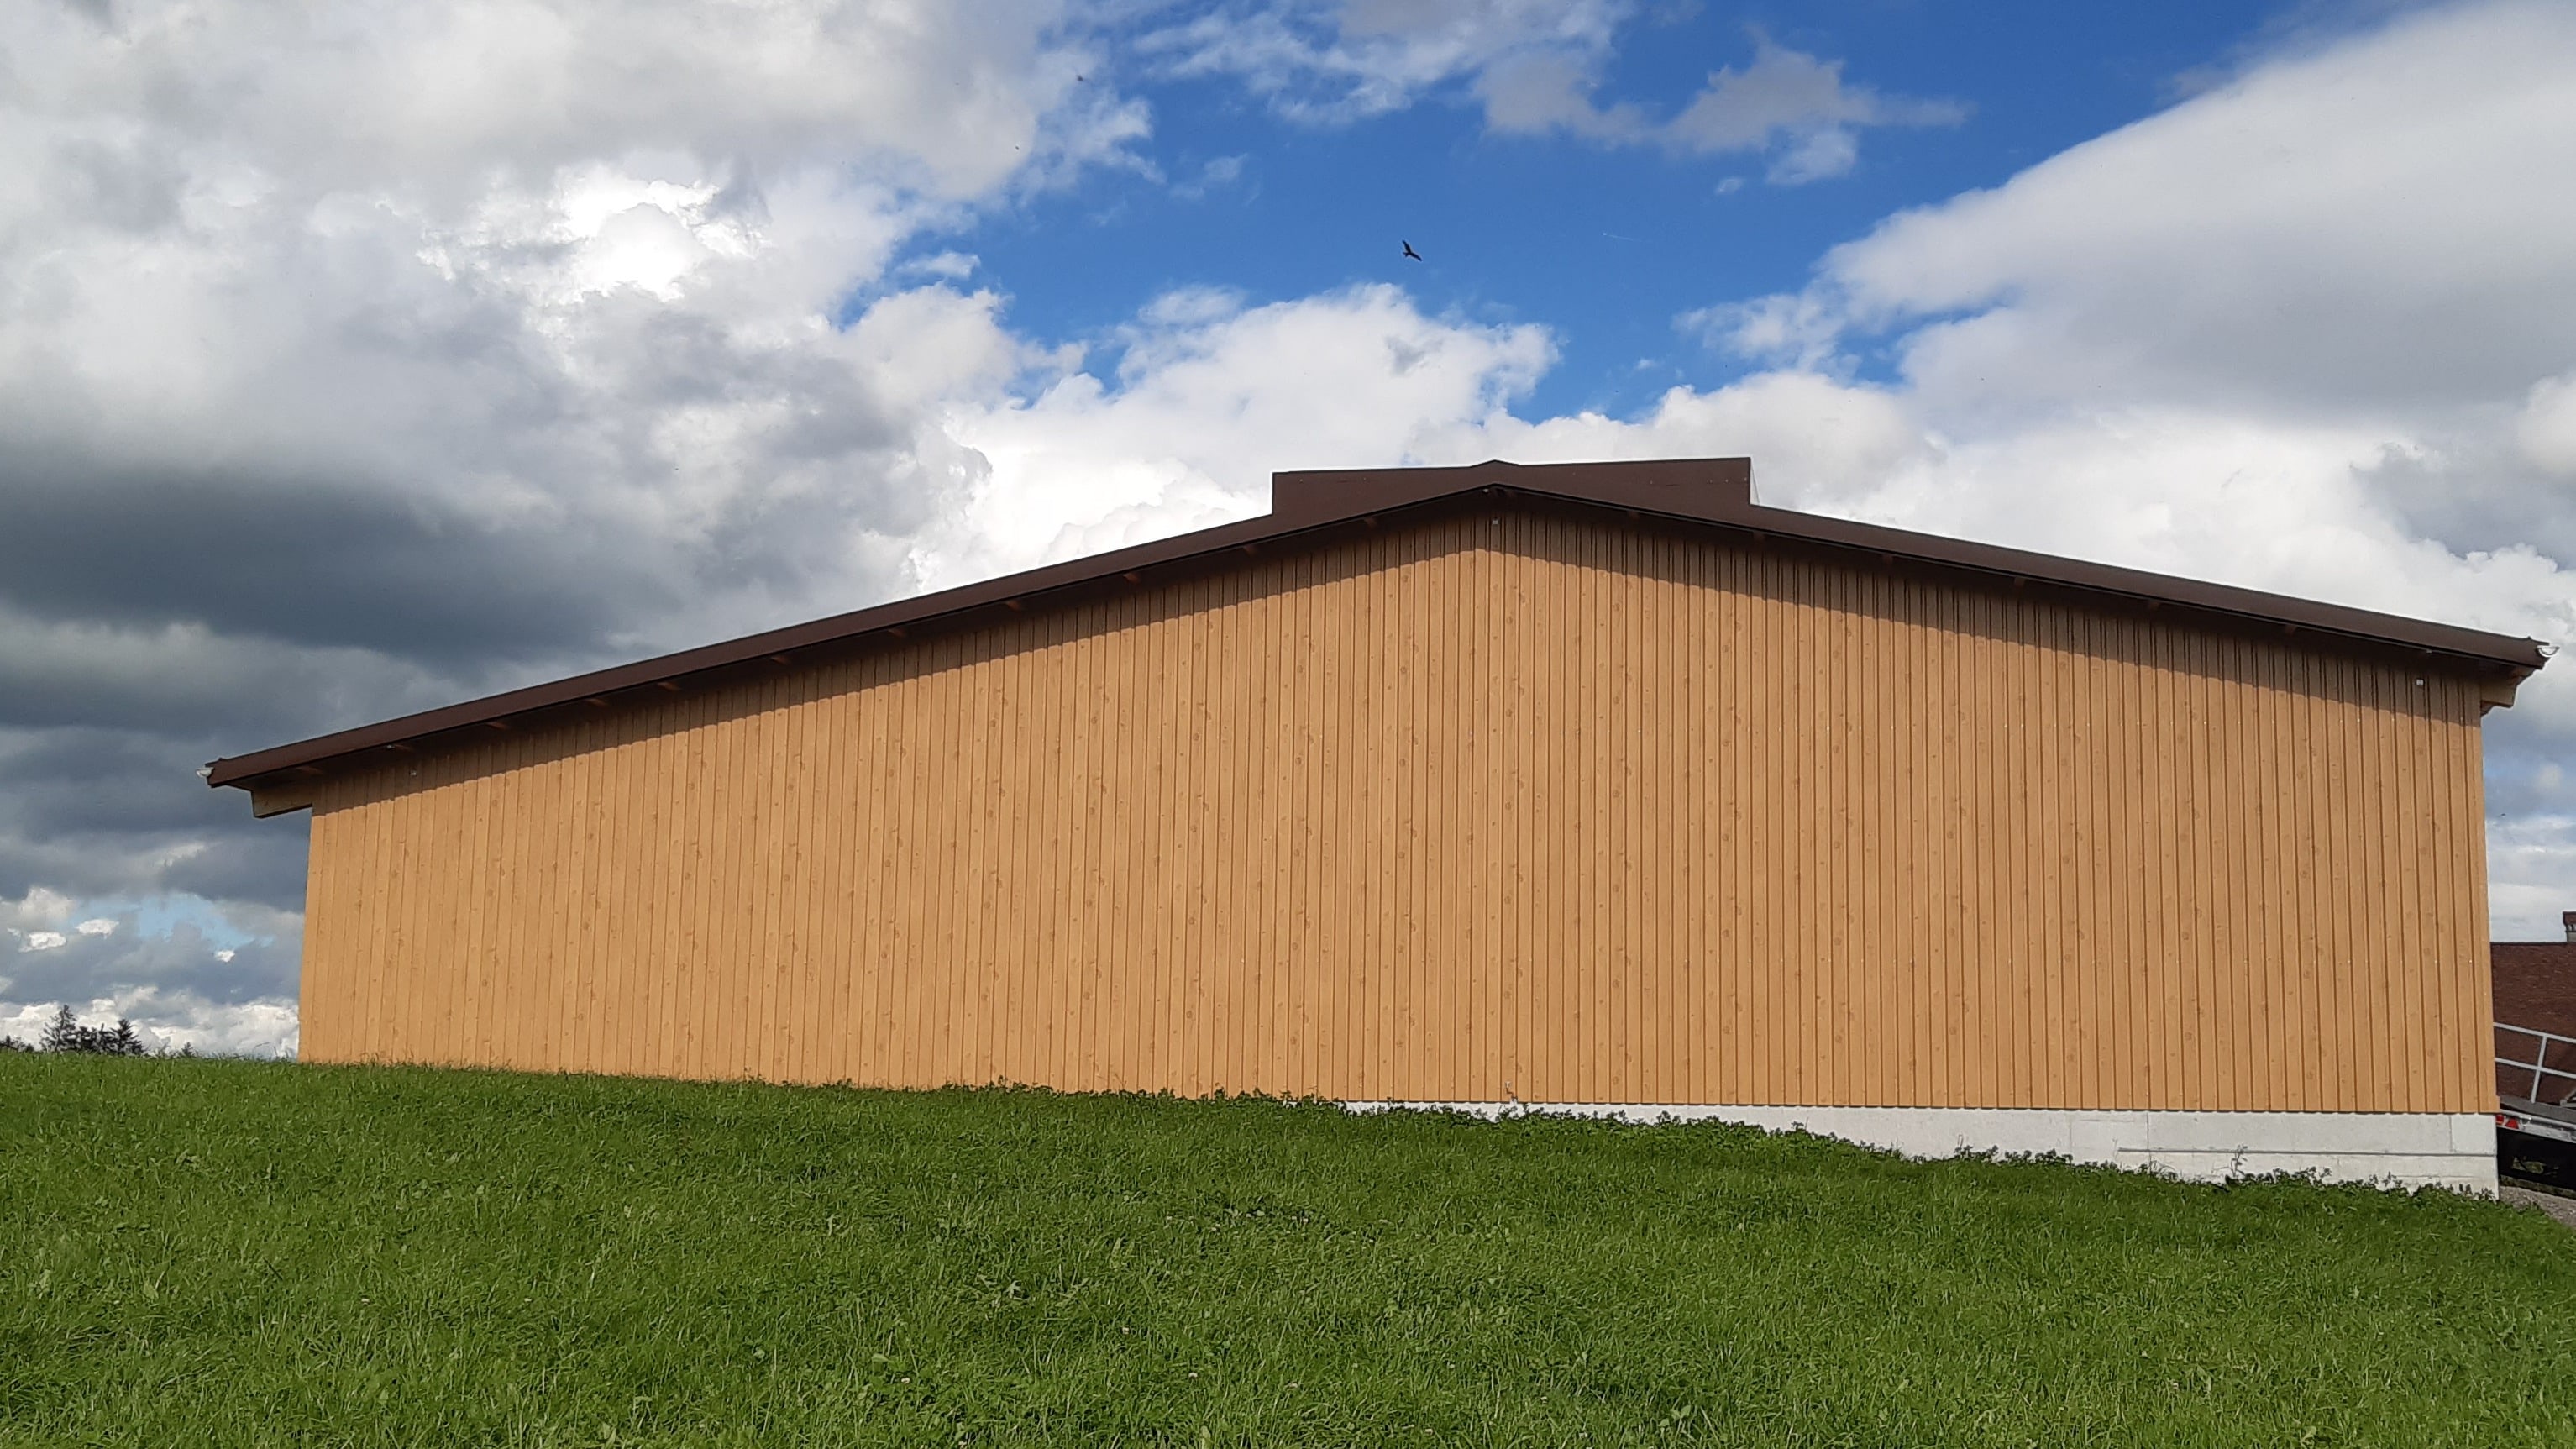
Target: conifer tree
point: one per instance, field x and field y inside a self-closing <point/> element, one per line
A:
<point x="65" y="1034"/>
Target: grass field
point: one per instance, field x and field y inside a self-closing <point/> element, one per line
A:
<point x="207" y="1252"/>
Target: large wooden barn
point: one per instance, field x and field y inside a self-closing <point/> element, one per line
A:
<point x="1593" y="786"/>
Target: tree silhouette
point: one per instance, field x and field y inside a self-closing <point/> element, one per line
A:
<point x="65" y="1034"/>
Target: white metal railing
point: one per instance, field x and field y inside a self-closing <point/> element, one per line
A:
<point x="2539" y="1066"/>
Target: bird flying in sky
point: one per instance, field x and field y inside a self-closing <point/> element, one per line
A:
<point x="1410" y="252"/>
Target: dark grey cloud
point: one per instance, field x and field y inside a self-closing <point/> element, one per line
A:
<point x="306" y="564"/>
<point x="61" y="783"/>
<point x="260" y="862"/>
<point x="356" y="358"/>
<point x="108" y="812"/>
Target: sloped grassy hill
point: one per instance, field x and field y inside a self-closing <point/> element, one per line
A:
<point x="238" y="1253"/>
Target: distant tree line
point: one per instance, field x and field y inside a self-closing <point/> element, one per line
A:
<point x="66" y="1034"/>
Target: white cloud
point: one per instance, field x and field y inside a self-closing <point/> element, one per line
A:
<point x="1820" y="152"/>
<point x="159" y="965"/>
<point x="552" y="278"/>
<point x="1208" y="398"/>
<point x="940" y="267"/>
<point x="1790" y="329"/>
<point x="165" y="1023"/>
<point x="944" y="97"/>
<point x="2294" y="234"/>
<point x="1536" y="68"/>
<point x="2546" y="430"/>
<point x="38" y="907"/>
<point x="1336" y="60"/>
<point x="1801" y="106"/>
<point x="1217" y="174"/>
<point x="557" y="271"/>
<point x="1810" y="437"/>
<point x="2531" y="862"/>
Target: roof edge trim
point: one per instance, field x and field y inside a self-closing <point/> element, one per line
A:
<point x="1708" y="491"/>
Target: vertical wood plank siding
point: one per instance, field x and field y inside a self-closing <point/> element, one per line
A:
<point x="1487" y="808"/>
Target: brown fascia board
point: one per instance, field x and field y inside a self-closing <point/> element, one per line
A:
<point x="1704" y="492"/>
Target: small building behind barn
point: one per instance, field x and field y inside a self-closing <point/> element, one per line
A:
<point x="2535" y="1016"/>
<point x="1591" y="787"/>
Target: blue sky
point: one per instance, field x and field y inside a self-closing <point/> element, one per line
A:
<point x="359" y="356"/>
<point x="1605" y="245"/>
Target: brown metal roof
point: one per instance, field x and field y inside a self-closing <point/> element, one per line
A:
<point x="1310" y="507"/>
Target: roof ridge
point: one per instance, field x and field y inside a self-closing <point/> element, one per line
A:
<point x="1716" y="492"/>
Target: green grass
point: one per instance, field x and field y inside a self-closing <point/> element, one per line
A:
<point x="239" y="1253"/>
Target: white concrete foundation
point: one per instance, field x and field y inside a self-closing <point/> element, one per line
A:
<point x="2392" y="1149"/>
